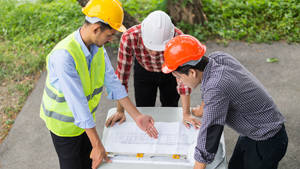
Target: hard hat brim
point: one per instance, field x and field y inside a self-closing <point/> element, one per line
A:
<point x="154" y="47"/>
<point x="122" y="28"/>
<point x="165" y="69"/>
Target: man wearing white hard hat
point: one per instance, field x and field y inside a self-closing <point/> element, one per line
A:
<point x="143" y="45"/>
<point x="77" y="70"/>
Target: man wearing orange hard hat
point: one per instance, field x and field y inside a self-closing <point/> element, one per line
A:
<point x="231" y="95"/>
<point x="78" y="68"/>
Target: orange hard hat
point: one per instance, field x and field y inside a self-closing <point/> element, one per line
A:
<point x="180" y="50"/>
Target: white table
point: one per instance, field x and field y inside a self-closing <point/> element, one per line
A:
<point x="164" y="114"/>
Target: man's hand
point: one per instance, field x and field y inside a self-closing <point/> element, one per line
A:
<point x="199" y="165"/>
<point x="146" y="123"/>
<point x="198" y="111"/>
<point x="98" y="152"/>
<point x="188" y="120"/>
<point x="117" y="117"/>
<point x="97" y="155"/>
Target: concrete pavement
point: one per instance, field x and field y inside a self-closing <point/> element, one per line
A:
<point x="29" y="146"/>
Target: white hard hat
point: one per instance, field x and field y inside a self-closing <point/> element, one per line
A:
<point x="157" y="30"/>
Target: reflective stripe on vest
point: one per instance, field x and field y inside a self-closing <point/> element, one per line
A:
<point x="60" y="117"/>
<point x="54" y="109"/>
<point x="62" y="99"/>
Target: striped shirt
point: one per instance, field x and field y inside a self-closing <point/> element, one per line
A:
<point x="233" y="96"/>
<point x="131" y="46"/>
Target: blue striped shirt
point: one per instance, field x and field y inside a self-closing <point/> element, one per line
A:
<point x="64" y="77"/>
<point x="233" y="96"/>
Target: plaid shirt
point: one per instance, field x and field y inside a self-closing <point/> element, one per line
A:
<point x="233" y="96"/>
<point x="131" y="45"/>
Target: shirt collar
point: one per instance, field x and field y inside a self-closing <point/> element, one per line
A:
<point x="206" y="73"/>
<point x="85" y="50"/>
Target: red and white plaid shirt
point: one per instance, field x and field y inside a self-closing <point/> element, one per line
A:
<point x="131" y="45"/>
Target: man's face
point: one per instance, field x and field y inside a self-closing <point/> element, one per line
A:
<point x="103" y="37"/>
<point x="189" y="80"/>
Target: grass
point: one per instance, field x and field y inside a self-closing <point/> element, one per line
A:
<point x="28" y="31"/>
<point x="249" y="20"/>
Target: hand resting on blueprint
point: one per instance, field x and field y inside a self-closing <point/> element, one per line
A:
<point x="188" y="120"/>
<point x="116" y="117"/>
<point x="144" y="122"/>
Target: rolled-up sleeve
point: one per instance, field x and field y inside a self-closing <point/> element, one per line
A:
<point x="115" y="90"/>
<point x="183" y="89"/>
<point x="215" y="111"/>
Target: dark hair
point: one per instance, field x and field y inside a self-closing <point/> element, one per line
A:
<point x="103" y="26"/>
<point x="199" y="66"/>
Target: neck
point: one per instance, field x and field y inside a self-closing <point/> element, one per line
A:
<point x="202" y="64"/>
<point x="200" y="76"/>
<point x="84" y="33"/>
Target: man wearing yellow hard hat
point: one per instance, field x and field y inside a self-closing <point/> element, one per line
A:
<point x="78" y="68"/>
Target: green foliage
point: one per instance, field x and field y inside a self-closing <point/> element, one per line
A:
<point x="9" y="122"/>
<point x="249" y="20"/>
<point x="141" y="8"/>
<point x="30" y="30"/>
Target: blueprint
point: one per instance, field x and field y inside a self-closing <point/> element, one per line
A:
<point x="174" y="138"/>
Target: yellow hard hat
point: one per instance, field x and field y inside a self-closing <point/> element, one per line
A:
<point x="109" y="11"/>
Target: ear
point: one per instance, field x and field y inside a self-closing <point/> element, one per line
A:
<point x="95" y="28"/>
<point x="193" y="72"/>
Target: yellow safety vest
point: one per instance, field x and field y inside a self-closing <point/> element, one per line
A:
<point x="54" y="108"/>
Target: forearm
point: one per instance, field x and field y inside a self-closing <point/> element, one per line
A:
<point x="199" y="113"/>
<point x="185" y="100"/>
<point x="129" y="107"/>
<point x="199" y="165"/>
<point x="202" y="104"/>
<point x="93" y="136"/>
